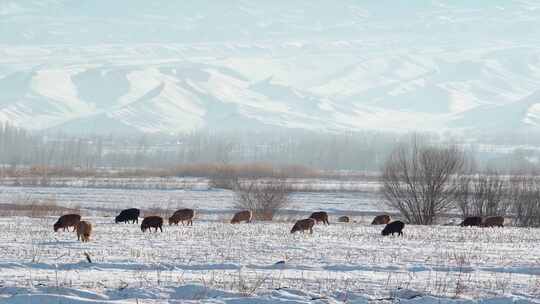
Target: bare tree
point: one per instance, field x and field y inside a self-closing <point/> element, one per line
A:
<point x="524" y="195"/>
<point x="482" y="194"/>
<point x="417" y="180"/>
<point x="263" y="197"/>
<point x="463" y="195"/>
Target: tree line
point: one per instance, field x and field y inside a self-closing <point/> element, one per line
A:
<point x="353" y="151"/>
<point x="327" y="151"/>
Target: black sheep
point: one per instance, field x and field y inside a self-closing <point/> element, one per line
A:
<point x="471" y="221"/>
<point x="393" y="227"/>
<point x="128" y="215"/>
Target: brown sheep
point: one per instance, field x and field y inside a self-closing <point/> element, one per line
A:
<point x="493" y="221"/>
<point x="343" y="219"/>
<point x="66" y="221"/>
<point x="181" y="216"/>
<point x="382" y="219"/>
<point x="84" y="230"/>
<point x="303" y="225"/>
<point x="242" y="216"/>
<point x="320" y="217"/>
<point x="152" y="222"/>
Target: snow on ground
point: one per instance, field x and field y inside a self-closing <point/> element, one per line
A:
<point x="196" y="194"/>
<point x="216" y="262"/>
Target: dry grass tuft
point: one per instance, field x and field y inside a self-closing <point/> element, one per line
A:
<point x="28" y="206"/>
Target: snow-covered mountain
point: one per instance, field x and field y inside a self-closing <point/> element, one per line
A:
<point x="164" y="66"/>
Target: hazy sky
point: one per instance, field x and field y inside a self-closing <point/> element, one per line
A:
<point x="122" y="21"/>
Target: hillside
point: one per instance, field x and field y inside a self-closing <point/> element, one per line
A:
<point x="133" y="67"/>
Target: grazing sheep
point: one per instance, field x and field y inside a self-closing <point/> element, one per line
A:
<point x="181" y="216"/>
<point x="471" y="221"/>
<point x="303" y="225"/>
<point x="343" y="219"/>
<point x="382" y="219"/>
<point x="242" y="216"/>
<point x="84" y="230"/>
<point x="152" y="222"/>
<point x="128" y="215"/>
<point x="493" y="221"/>
<point x="66" y="221"/>
<point x="320" y="217"/>
<point x="393" y="227"/>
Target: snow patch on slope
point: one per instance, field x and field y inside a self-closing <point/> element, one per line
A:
<point x="56" y="84"/>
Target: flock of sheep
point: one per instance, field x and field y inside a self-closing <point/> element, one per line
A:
<point x="84" y="228"/>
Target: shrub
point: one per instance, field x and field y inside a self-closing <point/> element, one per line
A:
<point x="417" y="181"/>
<point x="524" y="195"/>
<point x="482" y="195"/>
<point x="263" y="197"/>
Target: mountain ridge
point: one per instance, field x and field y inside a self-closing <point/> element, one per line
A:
<point x="130" y="66"/>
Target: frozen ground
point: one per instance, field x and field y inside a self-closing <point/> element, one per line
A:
<point x="195" y="193"/>
<point x="216" y="262"/>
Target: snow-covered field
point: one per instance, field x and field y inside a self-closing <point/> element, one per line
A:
<point x="216" y="262"/>
<point x="197" y="195"/>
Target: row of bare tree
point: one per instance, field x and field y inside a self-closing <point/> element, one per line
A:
<point x="351" y="151"/>
<point x="59" y="153"/>
<point x="424" y="182"/>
